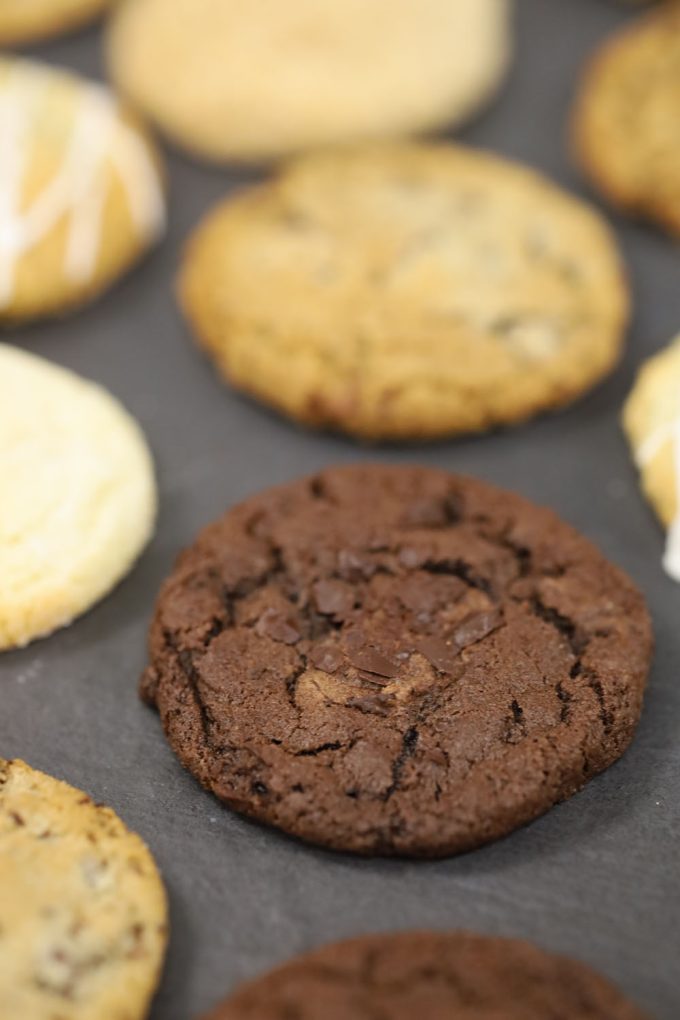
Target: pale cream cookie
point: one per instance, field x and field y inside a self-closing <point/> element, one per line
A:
<point x="83" y="911"/>
<point x="230" y="80"/>
<point x="78" y="495"/>
<point x="626" y="118"/>
<point x="23" y="21"/>
<point x="651" y="419"/>
<point x="407" y="291"/>
<point x="81" y="196"/>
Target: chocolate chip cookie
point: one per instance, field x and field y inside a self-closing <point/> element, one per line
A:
<point x="431" y="975"/>
<point x="396" y="660"/>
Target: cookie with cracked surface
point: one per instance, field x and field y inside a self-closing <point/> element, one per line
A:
<point x="651" y="420"/>
<point x="412" y="291"/>
<point x="340" y="72"/>
<point x="80" y="189"/>
<point x="23" y="21"/>
<point x="78" y="500"/>
<point x="396" y="660"/>
<point x="432" y="975"/>
<point x="83" y="912"/>
<point x="625" y="121"/>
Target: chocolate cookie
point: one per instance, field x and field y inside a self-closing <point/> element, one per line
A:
<point x="396" y="660"/>
<point x="432" y="976"/>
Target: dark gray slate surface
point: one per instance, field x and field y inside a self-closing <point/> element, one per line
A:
<point x="597" y="877"/>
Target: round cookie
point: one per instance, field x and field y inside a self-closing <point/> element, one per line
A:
<point x="78" y="495"/>
<point x="24" y="21"/>
<point x="259" y="81"/>
<point x="430" y="975"/>
<point x="81" y="197"/>
<point x="412" y="291"/>
<point x="84" y="912"/>
<point x="651" y="419"/>
<point x="625" y="122"/>
<point x="393" y="660"/>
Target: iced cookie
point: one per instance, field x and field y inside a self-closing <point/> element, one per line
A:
<point x="392" y="660"/>
<point x="81" y="197"/>
<point x="651" y="418"/>
<point x="625" y="125"/>
<point x="258" y="81"/>
<point x="23" y="21"/>
<point x="83" y="913"/>
<point x="430" y="975"/>
<point x="78" y="495"/>
<point x="408" y="291"/>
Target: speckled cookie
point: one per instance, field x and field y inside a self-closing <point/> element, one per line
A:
<point x="432" y="976"/>
<point x="83" y="913"/>
<point x="23" y="21"/>
<point x="651" y="419"/>
<point x="394" y="660"/>
<point x="81" y="197"/>
<point x="408" y="291"/>
<point x="258" y="81"/>
<point x="625" y="123"/>
<point x="78" y="495"/>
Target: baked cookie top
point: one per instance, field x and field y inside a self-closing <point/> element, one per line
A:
<point x="431" y="975"/>
<point x="396" y="660"/>
<point x="258" y="81"/>
<point x="407" y="291"/>
<point x="80" y="189"/>
<point x="651" y="419"/>
<point x="625" y="123"/>
<point x="83" y="909"/>
<point x="78" y="495"/>
<point x="23" y="21"/>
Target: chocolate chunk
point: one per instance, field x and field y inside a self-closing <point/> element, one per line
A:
<point x="367" y="658"/>
<point x="372" y="704"/>
<point x="425" y="513"/>
<point x="477" y="626"/>
<point x="333" y="598"/>
<point x="327" y="658"/>
<point x="352" y="566"/>
<point x="273" y="624"/>
<point x="440" y="653"/>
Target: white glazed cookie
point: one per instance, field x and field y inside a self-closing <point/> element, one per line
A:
<point x="259" y="80"/>
<point x="81" y="196"/>
<point x="651" y="419"/>
<point x="23" y="21"/>
<point x="407" y="291"/>
<point x="78" y="495"/>
<point x="83" y="912"/>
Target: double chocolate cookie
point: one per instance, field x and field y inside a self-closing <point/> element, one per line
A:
<point x="432" y="976"/>
<point x="396" y="660"/>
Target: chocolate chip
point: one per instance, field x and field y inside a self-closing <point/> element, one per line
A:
<point x="273" y="624"/>
<point x="440" y="653"/>
<point x="326" y="658"/>
<point x="477" y="626"/>
<point x="373" y="678"/>
<point x="425" y="513"/>
<point x="333" y="598"/>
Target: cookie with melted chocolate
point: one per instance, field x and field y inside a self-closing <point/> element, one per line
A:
<point x="393" y="660"/>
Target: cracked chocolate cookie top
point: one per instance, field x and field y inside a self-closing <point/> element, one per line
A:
<point x="432" y="976"/>
<point x="396" y="660"/>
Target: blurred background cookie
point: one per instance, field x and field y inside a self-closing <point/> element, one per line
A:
<point x="78" y="495"/>
<point x="431" y="975"/>
<point x="80" y="190"/>
<point x="236" y="81"/>
<point x="625" y="125"/>
<point x="83" y="909"/>
<point x="651" y="419"/>
<point x="23" y="21"/>
<point x="407" y="291"/>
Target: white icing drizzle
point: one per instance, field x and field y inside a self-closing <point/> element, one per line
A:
<point x="645" y="453"/>
<point x="100" y="141"/>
